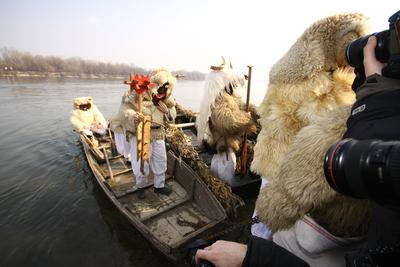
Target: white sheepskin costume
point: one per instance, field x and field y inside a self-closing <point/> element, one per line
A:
<point x="304" y="111"/>
<point x="84" y="119"/>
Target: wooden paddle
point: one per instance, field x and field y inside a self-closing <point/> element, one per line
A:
<point x="114" y="151"/>
<point x="110" y="173"/>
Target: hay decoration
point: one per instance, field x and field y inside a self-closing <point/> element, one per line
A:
<point x="181" y="144"/>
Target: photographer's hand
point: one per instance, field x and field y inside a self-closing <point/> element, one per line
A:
<point x="371" y="64"/>
<point x="223" y="254"/>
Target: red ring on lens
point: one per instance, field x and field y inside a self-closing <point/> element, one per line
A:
<point x="337" y="146"/>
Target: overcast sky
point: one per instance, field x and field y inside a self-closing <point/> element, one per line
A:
<point x="178" y="34"/>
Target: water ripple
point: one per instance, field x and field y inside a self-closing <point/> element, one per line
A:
<point x="51" y="211"/>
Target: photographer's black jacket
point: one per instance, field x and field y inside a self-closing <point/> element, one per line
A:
<point x="376" y="112"/>
<point x="376" y="115"/>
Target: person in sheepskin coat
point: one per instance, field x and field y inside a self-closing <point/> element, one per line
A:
<point x="162" y="111"/>
<point x="125" y="122"/>
<point x="222" y="120"/>
<point x="304" y="112"/>
<point x="86" y="118"/>
<point x="121" y="123"/>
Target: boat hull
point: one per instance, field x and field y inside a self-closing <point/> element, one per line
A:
<point x="171" y="222"/>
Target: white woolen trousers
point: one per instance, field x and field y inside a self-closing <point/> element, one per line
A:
<point x="123" y="146"/>
<point x="157" y="163"/>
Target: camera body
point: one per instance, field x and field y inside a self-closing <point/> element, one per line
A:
<point x="387" y="51"/>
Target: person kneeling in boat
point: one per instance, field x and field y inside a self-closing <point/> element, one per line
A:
<point x="86" y="118"/>
<point x="162" y="110"/>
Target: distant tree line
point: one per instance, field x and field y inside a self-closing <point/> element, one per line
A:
<point x="26" y="62"/>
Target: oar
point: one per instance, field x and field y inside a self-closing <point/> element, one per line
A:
<point x="110" y="173"/>
<point x="114" y="151"/>
<point x="244" y="146"/>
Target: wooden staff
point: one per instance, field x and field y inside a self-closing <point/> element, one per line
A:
<point x="144" y="129"/>
<point x="140" y="103"/>
<point x="244" y="146"/>
<point x="140" y="84"/>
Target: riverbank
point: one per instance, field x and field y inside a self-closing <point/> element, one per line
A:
<point x="67" y="75"/>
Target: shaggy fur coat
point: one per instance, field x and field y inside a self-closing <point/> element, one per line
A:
<point x="81" y="119"/>
<point x="124" y="120"/>
<point x="303" y="113"/>
<point x="223" y="120"/>
<point x="230" y="120"/>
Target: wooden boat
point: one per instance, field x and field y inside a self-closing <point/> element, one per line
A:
<point x="171" y="222"/>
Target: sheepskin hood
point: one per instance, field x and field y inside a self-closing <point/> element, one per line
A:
<point x="320" y="48"/>
<point x="82" y="101"/>
<point x="162" y="77"/>
<point x="308" y="81"/>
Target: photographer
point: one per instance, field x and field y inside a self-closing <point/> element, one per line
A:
<point x="376" y="115"/>
<point x="376" y="112"/>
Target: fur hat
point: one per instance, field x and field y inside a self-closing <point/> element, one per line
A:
<point x="163" y="77"/>
<point x="82" y="101"/>
<point x="320" y="48"/>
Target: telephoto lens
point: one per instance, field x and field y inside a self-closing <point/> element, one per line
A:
<point x="364" y="169"/>
<point x="355" y="50"/>
<point x="387" y="44"/>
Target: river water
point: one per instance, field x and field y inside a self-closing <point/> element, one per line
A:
<point x="52" y="213"/>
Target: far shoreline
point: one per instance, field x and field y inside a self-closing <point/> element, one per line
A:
<point x="67" y="75"/>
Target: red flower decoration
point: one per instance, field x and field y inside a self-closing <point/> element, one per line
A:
<point x="139" y="83"/>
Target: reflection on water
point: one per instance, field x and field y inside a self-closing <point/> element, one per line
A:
<point x="51" y="211"/>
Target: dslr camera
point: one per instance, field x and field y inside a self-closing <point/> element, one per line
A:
<point x="387" y="51"/>
<point x="370" y="169"/>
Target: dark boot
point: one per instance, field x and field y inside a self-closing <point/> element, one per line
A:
<point x="140" y="192"/>
<point x="163" y="190"/>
